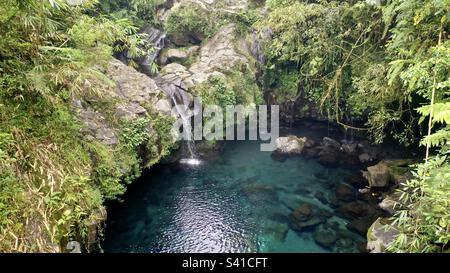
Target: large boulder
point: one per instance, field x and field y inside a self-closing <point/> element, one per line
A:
<point x="330" y="152"/>
<point x="353" y="210"/>
<point x="329" y="159"/>
<point x="378" y="175"/>
<point x="132" y="85"/>
<point x="176" y="55"/>
<point x="133" y="93"/>
<point x="331" y="144"/>
<point x="350" y="148"/>
<point x="380" y="234"/>
<point x="289" y="146"/>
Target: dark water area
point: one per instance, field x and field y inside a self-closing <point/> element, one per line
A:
<point x="242" y="201"/>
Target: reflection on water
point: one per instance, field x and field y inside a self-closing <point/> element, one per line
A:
<point x="239" y="203"/>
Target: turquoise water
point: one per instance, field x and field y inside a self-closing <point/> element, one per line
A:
<point x="239" y="202"/>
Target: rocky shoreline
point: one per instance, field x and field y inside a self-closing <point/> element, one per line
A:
<point x="366" y="200"/>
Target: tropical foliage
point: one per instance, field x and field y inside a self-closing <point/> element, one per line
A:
<point x="379" y="67"/>
<point x="384" y="67"/>
<point x="52" y="181"/>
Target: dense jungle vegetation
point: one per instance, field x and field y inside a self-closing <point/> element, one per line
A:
<point x="379" y="67"/>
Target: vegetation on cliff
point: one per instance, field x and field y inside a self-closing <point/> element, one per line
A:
<point x="385" y="68"/>
<point x="379" y="67"/>
<point x="52" y="180"/>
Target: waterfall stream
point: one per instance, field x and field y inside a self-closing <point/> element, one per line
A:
<point x="181" y="101"/>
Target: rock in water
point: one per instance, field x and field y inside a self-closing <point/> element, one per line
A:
<point x="289" y="146"/>
<point x="325" y="239"/>
<point x="257" y="193"/>
<point x="360" y="225"/>
<point x="378" y="175"/>
<point x="302" y="213"/>
<point x="303" y="218"/>
<point x="331" y="143"/>
<point x="350" y="148"/>
<point x="345" y="193"/>
<point x="321" y="197"/>
<point x="306" y="225"/>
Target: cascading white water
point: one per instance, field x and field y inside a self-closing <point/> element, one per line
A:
<point x="181" y="101"/>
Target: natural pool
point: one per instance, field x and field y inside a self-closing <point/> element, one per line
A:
<point x="239" y="202"/>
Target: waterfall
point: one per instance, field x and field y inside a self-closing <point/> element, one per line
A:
<point x="257" y="49"/>
<point x="181" y="101"/>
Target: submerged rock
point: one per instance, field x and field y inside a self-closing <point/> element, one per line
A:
<point x="260" y="193"/>
<point x="302" y="213"/>
<point x="276" y="230"/>
<point x="306" y="225"/>
<point x="360" y="225"/>
<point x="321" y="197"/>
<point x="304" y="218"/>
<point x="345" y="193"/>
<point x="329" y="159"/>
<point x="325" y="239"/>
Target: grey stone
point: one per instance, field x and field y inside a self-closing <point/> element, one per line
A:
<point x="290" y="145"/>
<point x="378" y="175"/>
<point x="163" y="106"/>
